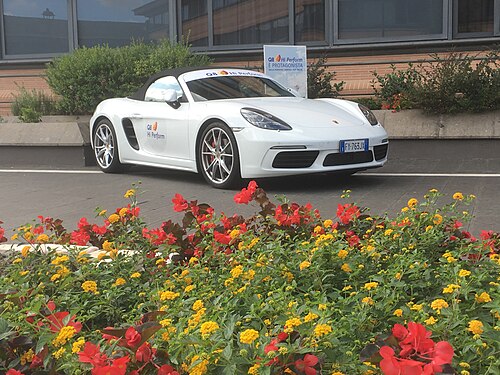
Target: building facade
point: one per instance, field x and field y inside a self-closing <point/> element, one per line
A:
<point x="355" y="35"/>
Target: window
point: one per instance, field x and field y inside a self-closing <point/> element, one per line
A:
<point x="389" y="19"/>
<point x="310" y="21"/>
<point x="194" y="17"/>
<point x="474" y="16"/>
<point x="35" y="27"/>
<point x="156" y="91"/>
<point x="117" y="23"/>
<point x="251" y="22"/>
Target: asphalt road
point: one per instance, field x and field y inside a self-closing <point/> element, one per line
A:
<point x="55" y="183"/>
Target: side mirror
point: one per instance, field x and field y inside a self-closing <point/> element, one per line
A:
<point x="170" y="97"/>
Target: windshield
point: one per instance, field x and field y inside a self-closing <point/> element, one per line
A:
<point x="232" y="87"/>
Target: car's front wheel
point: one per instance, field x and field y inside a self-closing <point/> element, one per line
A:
<point x="217" y="155"/>
<point x="106" y="147"/>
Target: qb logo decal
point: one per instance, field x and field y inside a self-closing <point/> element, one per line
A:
<point x="152" y="131"/>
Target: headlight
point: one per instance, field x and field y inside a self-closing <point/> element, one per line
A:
<point x="368" y="114"/>
<point x="263" y="119"/>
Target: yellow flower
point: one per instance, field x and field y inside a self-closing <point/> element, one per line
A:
<point x="368" y="301"/>
<point x="237" y="271"/>
<point x="388" y="232"/>
<point x="254" y="370"/>
<point x="108" y="246"/>
<point x="451" y="288"/>
<point x="248" y="336"/>
<point x="398" y="312"/>
<point x="130" y="193"/>
<point x="189" y="288"/>
<point x="200" y="368"/>
<point x="168" y="295"/>
<point x="65" y="334"/>
<point x="89" y="286"/>
<point x="60" y="259"/>
<point x="322" y="329"/>
<point x="120" y="281"/>
<point x="321" y="307"/>
<point x="458" y="196"/>
<point x="317" y="229"/>
<point x="59" y="353"/>
<point x="135" y="275"/>
<point x="345" y="267"/>
<point x="438" y="219"/>
<point x="464" y="273"/>
<point x="208" y="327"/>
<point x="371" y="285"/>
<point x="483" y="298"/>
<point x="439" y="304"/>
<point x="78" y="345"/>
<point x="304" y="264"/>
<point x="27" y="357"/>
<point x="476" y="327"/>
<point x="165" y="322"/>
<point x="197" y="305"/>
<point x="123" y="211"/>
<point x="42" y="238"/>
<point x="113" y="218"/>
<point x="342" y="254"/>
<point x="309" y="317"/>
<point x="464" y="365"/>
<point x="327" y="223"/>
<point x="102" y="213"/>
<point x="416" y="307"/>
<point x="412" y="203"/>
<point x="234" y="233"/>
<point x="430" y="321"/>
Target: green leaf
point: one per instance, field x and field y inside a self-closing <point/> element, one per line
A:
<point x="227" y="352"/>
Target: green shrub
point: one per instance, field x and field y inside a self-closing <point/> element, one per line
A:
<point x="455" y="84"/>
<point x="90" y="75"/>
<point x="450" y="84"/>
<point x="33" y="104"/>
<point x="319" y="81"/>
<point x="396" y="90"/>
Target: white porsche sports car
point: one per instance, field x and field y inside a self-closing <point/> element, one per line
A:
<point x="229" y="124"/>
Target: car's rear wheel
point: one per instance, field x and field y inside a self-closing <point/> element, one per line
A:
<point x="106" y="147"/>
<point x="217" y="155"/>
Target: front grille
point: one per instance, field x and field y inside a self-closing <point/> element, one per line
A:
<point x="380" y="151"/>
<point x="347" y="158"/>
<point x="295" y="159"/>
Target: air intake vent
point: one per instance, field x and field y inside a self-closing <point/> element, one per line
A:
<point x="347" y="158"/>
<point x="295" y="159"/>
<point x="128" y="128"/>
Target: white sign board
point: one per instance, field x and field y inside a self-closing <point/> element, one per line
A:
<point x="288" y="66"/>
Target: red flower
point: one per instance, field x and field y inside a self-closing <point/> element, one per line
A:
<point x="99" y="230"/>
<point x="180" y="204"/>
<point x="222" y="238"/>
<point x="92" y="354"/>
<point x="167" y="370"/>
<point x="307" y="364"/>
<point x="144" y="353"/>
<point x="51" y="305"/>
<point x="271" y="347"/>
<point x="80" y="237"/>
<point x="132" y="337"/>
<point x="2" y="234"/>
<point x="56" y="321"/>
<point x="418" y="340"/>
<point x="246" y="194"/>
<point x="390" y="365"/>
<point x="13" y="372"/>
<point x="347" y="212"/>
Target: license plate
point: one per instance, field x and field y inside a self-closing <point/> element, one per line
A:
<point x="354" y="145"/>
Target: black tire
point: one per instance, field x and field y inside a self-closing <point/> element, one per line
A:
<point x="106" y="147"/>
<point x="218" y="157"/>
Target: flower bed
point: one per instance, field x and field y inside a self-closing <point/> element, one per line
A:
<point x="282" y="292"/>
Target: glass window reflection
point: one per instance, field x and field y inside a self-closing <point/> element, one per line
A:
<point x="389" y="19"/>
<point x="475" y="16"/>
<point x="35" y="27"/>
<point x="310" y="20"/>
<point x="118" y="22"/>
<point x="250" y="22"/>
<point x="194" y="17"/>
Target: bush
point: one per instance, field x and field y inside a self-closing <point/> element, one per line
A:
<point x="450" y="84"/>
<point x="456" y="84"/>
<point x="319" y="81"/>
<point x="89" y="75"/>
<point x="31" y="105"/>
<point x="279" y="292"/>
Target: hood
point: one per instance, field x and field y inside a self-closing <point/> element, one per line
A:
<point x="307" y="113"/>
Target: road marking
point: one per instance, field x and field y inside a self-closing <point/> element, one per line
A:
<point x="475" y="175"/>
<point x="61" y="171"/>
<point x="70" y="171"/>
